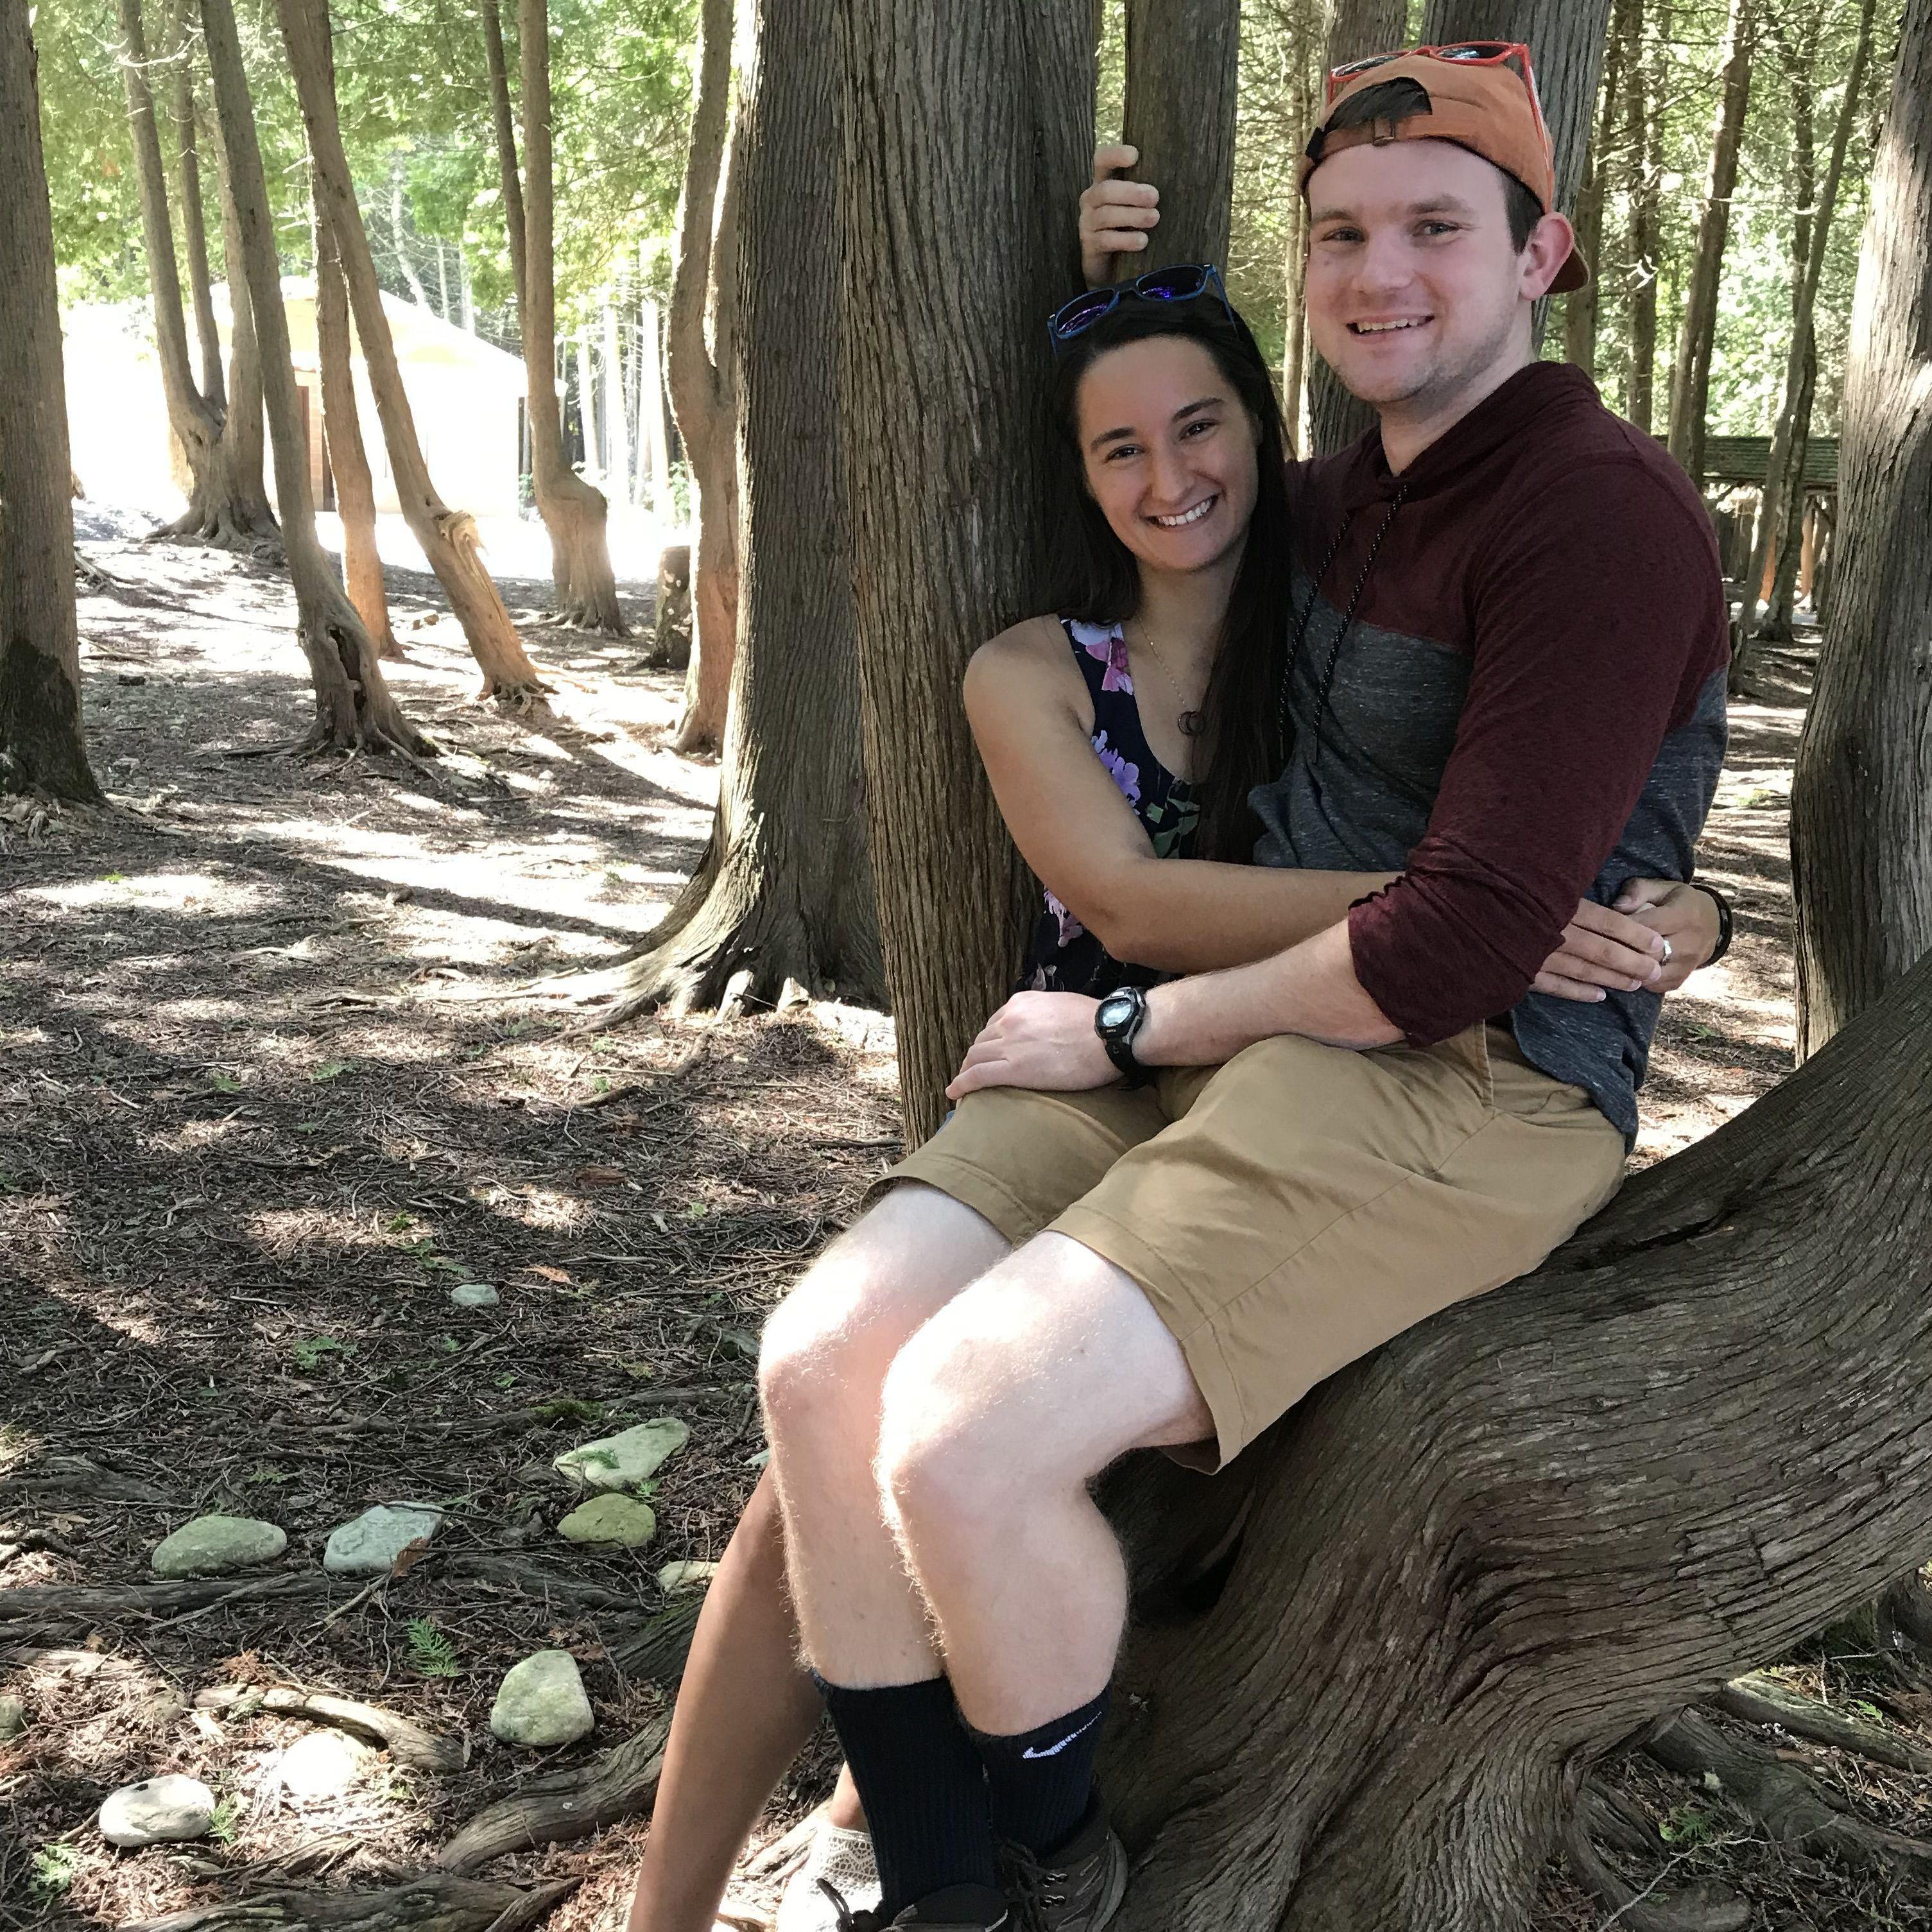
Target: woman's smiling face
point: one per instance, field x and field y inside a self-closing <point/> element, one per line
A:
<point x="1169" y="452"/>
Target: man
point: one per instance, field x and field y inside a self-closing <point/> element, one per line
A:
<point x="1161" y="1222"/>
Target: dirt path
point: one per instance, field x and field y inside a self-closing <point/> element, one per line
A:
<point x="269" y="1098"/>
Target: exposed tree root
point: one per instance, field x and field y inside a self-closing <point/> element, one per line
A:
<point x="44" y="1606"/>
<point x="77" y="1475"/>
<point x="436" y="1902"/>
<point x="1905" y="1610"/>
<point x="658" y="1650"/>
<point x="408" y="1743"/>
<point x="1601" y="1815"/>
<point x="1786" y="1801"/>
<point x="1759" y="1700"/>
<point x="565" y="1804"/>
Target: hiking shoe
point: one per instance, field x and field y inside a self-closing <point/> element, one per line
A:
<point x="839" y="1863"/>
<point x="1077" y="1889"/>
<point x="959" y="1908"/>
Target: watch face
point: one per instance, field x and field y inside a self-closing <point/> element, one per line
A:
<point x="1116" y="1010"/>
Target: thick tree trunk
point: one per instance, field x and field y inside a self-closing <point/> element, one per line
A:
<point x="955" y="103"/>
<point x="1804" y="305"/>
<point x="194" y="221"/>
<point x="1643" y="78"/>
<point x="353" y="705"/>
<point x="1580" y="307"/>
<point x="448" y="537"/>
<point x="784" y="891"/>
<point x="1690" y="377"/>
<point x="1862" y="805"/>
<point x="1183" y="74"/>
<point x="573" y="511"/>
<point x="702" y="382"/>
<point x="41" y="747"/>
<point x="1475" y="1560"/>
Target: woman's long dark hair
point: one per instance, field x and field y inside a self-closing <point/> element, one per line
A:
<point x="1097" y="578"/>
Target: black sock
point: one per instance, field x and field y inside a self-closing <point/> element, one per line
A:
<point x="1040" y="1784"/>
<point x="922" y="1787"/>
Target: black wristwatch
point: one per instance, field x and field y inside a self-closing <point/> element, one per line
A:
<point x="1118" y="1020"/>
<point x="1724" y="906"/>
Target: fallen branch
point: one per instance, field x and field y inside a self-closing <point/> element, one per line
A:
<point x="565" y="1804"/>
<point x="76" y="1475"/>
<point x="1697" y="1908"/>
<point x="408" y="1743"/>
<point x="1758" y="1699"/>
<point x="434" y="1903"/>
<point x="60" y="1603"/>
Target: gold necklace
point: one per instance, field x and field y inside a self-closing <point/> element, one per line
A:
<point x="1189" y="720"/>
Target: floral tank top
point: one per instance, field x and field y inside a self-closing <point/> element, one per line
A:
<point x="1063" y="956"/>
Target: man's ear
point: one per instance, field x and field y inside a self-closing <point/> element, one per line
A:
<point x="1548" y="248"/>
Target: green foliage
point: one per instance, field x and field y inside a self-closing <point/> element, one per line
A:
<point x="1687" y="1825"/>
<point x="308" y="1351"/>
<point x="55" y="1867"/>
<point x="431" y="1652"/>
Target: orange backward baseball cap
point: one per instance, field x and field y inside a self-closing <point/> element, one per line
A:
<point x="1484" y="101"/>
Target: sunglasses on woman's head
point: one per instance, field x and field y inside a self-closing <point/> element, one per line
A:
<point x="1186" y="281"/>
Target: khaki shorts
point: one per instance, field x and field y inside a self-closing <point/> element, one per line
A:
<point x="1292" y="1210"/>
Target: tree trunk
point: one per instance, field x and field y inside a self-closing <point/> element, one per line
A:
<point x="503" y="126"/>
<point x="41" y="746"/>
<point x="573" y="511"/>
<point x="448" y="537"/>
<point x="216" y="512"/>
<point x="1475" y="1560"/>
<point x="784" y="890"/>
<point x="1580" y="307"/>
<point x="1183" y="66"/>
<point x="1861" y="806"/>
<point x="616" y="404"/>
<point x="988" y="104"/>
<point x="1357" y="27"/>
<point x="243" y="450"/>
<point x="1804" y="306"/>
<point x="1643" y="85"/>
<point x="417" y="293"/>
<point x="194" y="221"/>
<point x="654" y="427"/>
<point x="353" y="705"/>
<point x="1690" y="378"/>
<point x="1779" y="616"/>
<point x="1304" y="90"/>
<point x="703" y="383"/>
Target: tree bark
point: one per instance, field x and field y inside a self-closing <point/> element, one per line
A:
<point x="243" y="450"/>
<point x="654" y="427"/>
<point x="41" y="746"/>
<point x="784" y="890"/>
<point x="353" y="705"/>
<point x="987" y="103"/>
<point x="702" y="382"/>
<point x="1581" y="306"/>
<point x="1779" y="616"/>
<point x="448" y="537"/>
<point x="1861" y="806"/>
<point x="1473" y="1562"/>
<point x="616" y="403"/>
<point x="503" y="127"/>
<point x="1183" y="66"/>
<point x="1643" y="85"/>
<point x="1804" y="306"/>
<point x="194" y="221"/>
<point x="573" y="511"/>
<point x="1303" y="91"/>
<point x="1690" y="378"/>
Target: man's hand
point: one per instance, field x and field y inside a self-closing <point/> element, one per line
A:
<point x="1114" y="215"/>
<point x="1623" y="947"/>
<point x="1046" y="1041"/>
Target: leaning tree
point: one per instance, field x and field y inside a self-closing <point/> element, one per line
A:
<point x="41" y="748"/>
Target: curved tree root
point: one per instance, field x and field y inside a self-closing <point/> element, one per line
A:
<point x="565" y="1804"/>
<point x="658" y="1650"/>
<point x="433" y="1902"/>
<point x="407" y="1743"/>
<point x="1785" y="1800"/>
<point x="1759" y="1700"/>
<point x="1600" y="1814"/>
<point x="1905" y="1610"/>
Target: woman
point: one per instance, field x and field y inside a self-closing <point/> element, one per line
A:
<point x="1120" y="737"/>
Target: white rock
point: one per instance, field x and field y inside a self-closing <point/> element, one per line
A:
<point x="622" y="1461"/>
<point x="474" y="1295"/>
<point x="685" y="1576"/>
<point x="791" y="994"/>
<point x="611" y="1518"/>
<point x="13" y="1718"/>
<point x="542" y="1702"/>
<point x="170" y="1809"/>
<point x="372" y="1542"/>
<point x="212" y="1546"/>
<point x="322" y="1765"/>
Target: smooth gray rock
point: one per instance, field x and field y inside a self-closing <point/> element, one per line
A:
<point x="611" y="1518"/>
<point x="212" y="1546"/>
<point x="622" y="1461"/>
<point x="372" y="1542"/>
<point x="540" y="1702"/>
<point x="13" y="1718"/>
<point x="474" y="1295"/>
<point x="168" y="1810"/>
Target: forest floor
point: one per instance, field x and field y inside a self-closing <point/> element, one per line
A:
<point x="274" y="1086"/>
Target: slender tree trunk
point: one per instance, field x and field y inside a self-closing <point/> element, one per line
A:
<point x="1475" y="1560"/>
<point x="784" y="890"/>
<point x="1357" y="27"/>
<point x="448" y="537"/>
<point x="1581" y="306"/>
<point x="194" y="221"/>
<point x="242" y="450"/>
<point x="654" y="430"/>
<point x="1303" y="89"/>
<point x="1642" y="86"/>
<point x="1183" y="74"/>
<point x="442" y="281"/>
<point x="1805" y="307"/>
<point x="573" y="511"/>
<point x="417" y="293"/>
<point x="989" y="103"/>
<point x="1860" y="805"/>
<point x="353" y="705"/>
<point x="503" y="126"/>
<point x="1779" y="611"/>
<point x="703" y="388"/>
<point x="1690" y="378"/>
<point x="616" y="404"/>
<point x="42" y="748"/>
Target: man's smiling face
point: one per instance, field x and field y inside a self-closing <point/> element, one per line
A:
<point x="1416" y="292"/>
